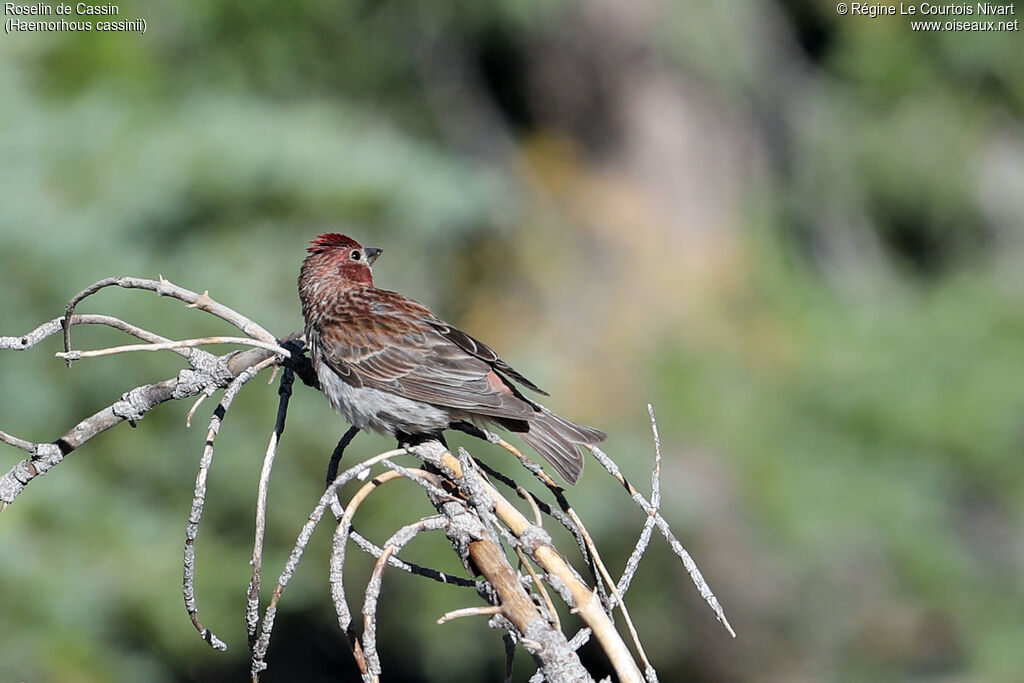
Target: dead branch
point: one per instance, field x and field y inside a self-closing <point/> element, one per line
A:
<point x="518" y="607"/>
<point x="165" y="287"/>
<point x="253" y="603"/>
<point x="207" y="374"/>
<point x="199" y="500"/>
<point x="480" y="523"/>
<point x="171" y="346"/>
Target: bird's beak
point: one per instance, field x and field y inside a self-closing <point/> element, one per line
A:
<point x="371" y="254"/>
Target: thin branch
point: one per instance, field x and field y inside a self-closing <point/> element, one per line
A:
<point x="252" y="616"/>
<point x="540" y="586"/>
<point x="199" y="498"/>
<point x="338" y="552"/>
<point x="528" y="497"/>
<point x="398" y="540"/>
<point x="599" y="573"/>
<point x="666" y="531"/>
<point x="194" y="408"/>
<point x="370" y="614"/>
<point x="208" y="373"/>
<point x="165" y="287"/>
<point x="27" y="341"/>
<point x="591" y="546"/>
<point x="196" y="357"/>
<point x="611" y="585"/>
<point x="267" y="624"/>
<point x="371" y="548"/>
<point x="510" y="655"/>
<point x="133" y="406"/>
<point x="588" y="605"/>
<point x="17" y="443"/>
<point x="633" y="563"/>
<point x="173" y="346"/>
<point x="479" y="611"/>
<point x="338" y="555"/>
<point x="558" y="515"/>
<point x="557" y="491"/>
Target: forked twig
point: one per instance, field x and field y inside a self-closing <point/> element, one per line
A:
<point x="645" y="534"/>
<point x="165" y="287"/>
<point x="691" y="567"/>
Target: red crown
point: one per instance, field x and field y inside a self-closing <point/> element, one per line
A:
<point x="332" y="240"/>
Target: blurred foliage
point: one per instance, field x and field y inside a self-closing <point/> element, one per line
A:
<point x="797" y="234"/>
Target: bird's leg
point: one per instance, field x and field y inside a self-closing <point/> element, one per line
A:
<point x="407" y="440"/>
<point x="469" y="428"/>
<point x="339" y="450"/>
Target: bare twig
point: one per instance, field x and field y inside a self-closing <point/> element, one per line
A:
<point x="133" y="406"/>
<point x="540" y="587"/>
<point x="557" y="515"/>
<point x="16" y="442"/>
<point x="27" y="341"/>
<point x="645" y="534"/>
<point x="193" y="409"/>
<point x="267" y="625"/>
<point x="615" y="592"/>
<point x="370" y="613"/>
<point x="666" y="531"/>
<point x="336" y="456"/>
<point x="172" y="346"/>
<point x="338" y="551"/>
<point x="397" y="541"/>
<point x="480" y="611"/>
<point x="252" y="616"/>
<point x="601" y="576"/>
<point x="199" y="498"/>
<point x="165" y="287"/>
<point x="528" y="497"/>
<point x="510" y="655"/>
<point x="371" y="548"/>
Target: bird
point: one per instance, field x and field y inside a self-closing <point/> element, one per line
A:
<point x="389" y="365"/>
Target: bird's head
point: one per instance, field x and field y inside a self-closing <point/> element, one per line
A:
<point x="339" y="258"/>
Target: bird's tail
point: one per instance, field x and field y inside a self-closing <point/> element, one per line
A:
<point x="556" y="439"/>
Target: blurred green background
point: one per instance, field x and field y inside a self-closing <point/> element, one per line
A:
<point x="798" y="235"/>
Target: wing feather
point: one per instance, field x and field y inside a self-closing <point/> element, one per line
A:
<point x="382" y="340"/>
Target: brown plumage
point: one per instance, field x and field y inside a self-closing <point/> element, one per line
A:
<point x="388" y="364"/>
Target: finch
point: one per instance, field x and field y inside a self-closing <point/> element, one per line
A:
<point x="388" y="364"/>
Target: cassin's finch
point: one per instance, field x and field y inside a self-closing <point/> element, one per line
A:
<point x="389" y="365"/>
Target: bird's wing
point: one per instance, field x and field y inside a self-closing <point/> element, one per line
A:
<point x="380" y="339"/>
<point x="477" y="348"/>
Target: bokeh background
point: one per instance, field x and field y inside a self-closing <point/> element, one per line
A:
<point x="797" y="234"/>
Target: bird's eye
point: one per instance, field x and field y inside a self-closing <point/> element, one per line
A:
<point x="356" y="254"/>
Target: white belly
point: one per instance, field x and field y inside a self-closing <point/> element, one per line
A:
<point x="379" y="411"/>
